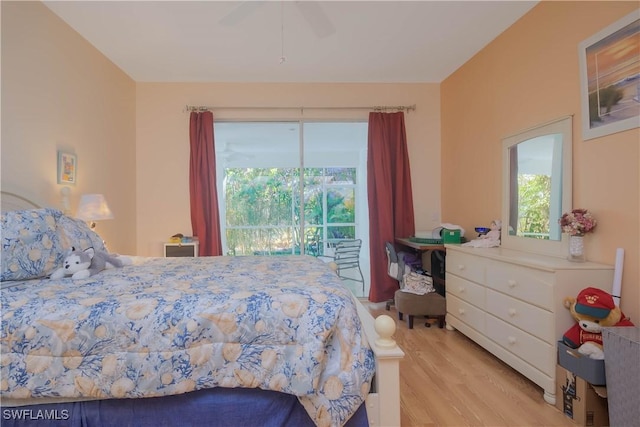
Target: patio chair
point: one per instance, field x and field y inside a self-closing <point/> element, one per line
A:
<point x="346" y="256"/>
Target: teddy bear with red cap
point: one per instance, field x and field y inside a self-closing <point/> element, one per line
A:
<point x="593" y="310"/>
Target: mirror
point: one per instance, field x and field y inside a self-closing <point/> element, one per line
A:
<point x="536" y="187"/>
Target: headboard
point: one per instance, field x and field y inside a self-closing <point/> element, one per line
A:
<point x="13" y="202"/>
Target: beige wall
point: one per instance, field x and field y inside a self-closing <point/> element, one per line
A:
<point x="59" y="92"/>
<point x="162" y="140"/>
<point x="527" y="76"/>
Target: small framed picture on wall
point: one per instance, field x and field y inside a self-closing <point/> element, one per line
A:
<point x="67" y="168"/>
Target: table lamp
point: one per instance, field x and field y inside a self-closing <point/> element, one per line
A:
<point x="93" y="207"/>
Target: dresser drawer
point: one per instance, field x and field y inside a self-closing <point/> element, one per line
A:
<point x="466" y="290"/>
<point x="527" y="284"/>
<point x="467" y="266"/>
<point x="527" y="317"/>
<point x="542" y="355"/>
<point x="467" y="313"/>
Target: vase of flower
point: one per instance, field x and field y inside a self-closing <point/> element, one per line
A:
<point x="576" y="224"/>
<point x="576" y="249"/>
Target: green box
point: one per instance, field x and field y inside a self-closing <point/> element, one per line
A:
<point x="450" y="236"/>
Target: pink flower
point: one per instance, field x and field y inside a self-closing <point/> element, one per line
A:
<point x="578" y="222"/>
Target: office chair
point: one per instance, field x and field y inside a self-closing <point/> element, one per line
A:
<point x="347" y="257"/>
<point x="394" y="269"/>
<point x="429" y="305"/>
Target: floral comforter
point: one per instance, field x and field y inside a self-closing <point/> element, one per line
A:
<point x="168" y="326"/>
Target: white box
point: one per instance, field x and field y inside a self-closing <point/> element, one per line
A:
<point x="189" y="249"/>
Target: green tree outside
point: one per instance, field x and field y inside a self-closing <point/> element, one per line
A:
<point x="534" y="194"/>
<point x="262" y="209"/>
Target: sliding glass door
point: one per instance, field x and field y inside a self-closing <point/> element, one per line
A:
<point x="292" y="187"/>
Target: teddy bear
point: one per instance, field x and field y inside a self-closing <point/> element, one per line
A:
<point x="82" y="264"/>
<point x="593" y="310"/>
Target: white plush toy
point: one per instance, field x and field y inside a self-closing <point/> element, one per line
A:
<point x="83" y="264"/>
<point x="489" y="240"/>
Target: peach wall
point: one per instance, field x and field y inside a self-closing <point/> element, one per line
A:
<point x="59" y="92"/>
<point x="527" y="76"/>
<point x="162" y="140"/>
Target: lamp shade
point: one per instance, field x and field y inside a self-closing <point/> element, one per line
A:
<point x="93" y="207"/>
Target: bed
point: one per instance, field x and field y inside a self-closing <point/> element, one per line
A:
<point x="189" y="341"/>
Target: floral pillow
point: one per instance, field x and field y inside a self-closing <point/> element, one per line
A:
<point x="35" y="242"/>
<point x="30" y="244"/>
<point x="75" y="232"/>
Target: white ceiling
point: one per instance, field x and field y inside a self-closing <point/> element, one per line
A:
<point x="371" y="41"/>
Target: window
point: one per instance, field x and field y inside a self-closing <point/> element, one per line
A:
<point x="273" y="200"/>
<point x="329" y="207"/>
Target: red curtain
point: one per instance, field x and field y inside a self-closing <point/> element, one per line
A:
<point x="205" y="218"/>
<point x="390" y="196"/>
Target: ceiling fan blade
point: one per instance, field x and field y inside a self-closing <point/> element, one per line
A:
<point x="241" y="12"/>
<point x="319" y="22"/>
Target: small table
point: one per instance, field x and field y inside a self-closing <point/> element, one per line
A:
<point x="182" y="249"/>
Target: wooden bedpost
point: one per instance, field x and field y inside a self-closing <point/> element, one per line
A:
<point x="383" y="402"/>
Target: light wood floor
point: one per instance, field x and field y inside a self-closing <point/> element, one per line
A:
<point x="448" y="380"/>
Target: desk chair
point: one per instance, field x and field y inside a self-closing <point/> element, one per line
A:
<point x="394" y="268"/>
<point x="428" y="305"/>
<point x="346" y="255"/>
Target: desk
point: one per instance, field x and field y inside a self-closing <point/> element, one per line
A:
<point x="420" y="247"/>
<point x="437" y="271"/>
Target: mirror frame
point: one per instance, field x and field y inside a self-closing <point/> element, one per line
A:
<point x="556" y="248"/>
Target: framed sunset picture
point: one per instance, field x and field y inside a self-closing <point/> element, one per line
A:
<point x="67" y="168"/>
<point x="610" y="78"/>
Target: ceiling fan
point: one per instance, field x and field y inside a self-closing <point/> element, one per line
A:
<point x="311" y="10"/>
<point x="230" y="155"/>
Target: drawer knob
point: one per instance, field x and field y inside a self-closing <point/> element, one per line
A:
<point x="460" y="267"/>
<point x="512" y="283"/>
<point x="462" y="290"/>
<point x="461" y="310"/>
<point x="512" y="340"/>
<point x="512" y="312"/>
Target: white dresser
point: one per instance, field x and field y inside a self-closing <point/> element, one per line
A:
<point x="511" y="303"/>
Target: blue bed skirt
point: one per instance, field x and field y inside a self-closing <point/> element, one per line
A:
<point x="219" y="407"/>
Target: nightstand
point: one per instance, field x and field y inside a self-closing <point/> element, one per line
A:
<point x="189" y="249"/>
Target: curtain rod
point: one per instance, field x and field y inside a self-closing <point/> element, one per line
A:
<point x="378" y="108"/>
